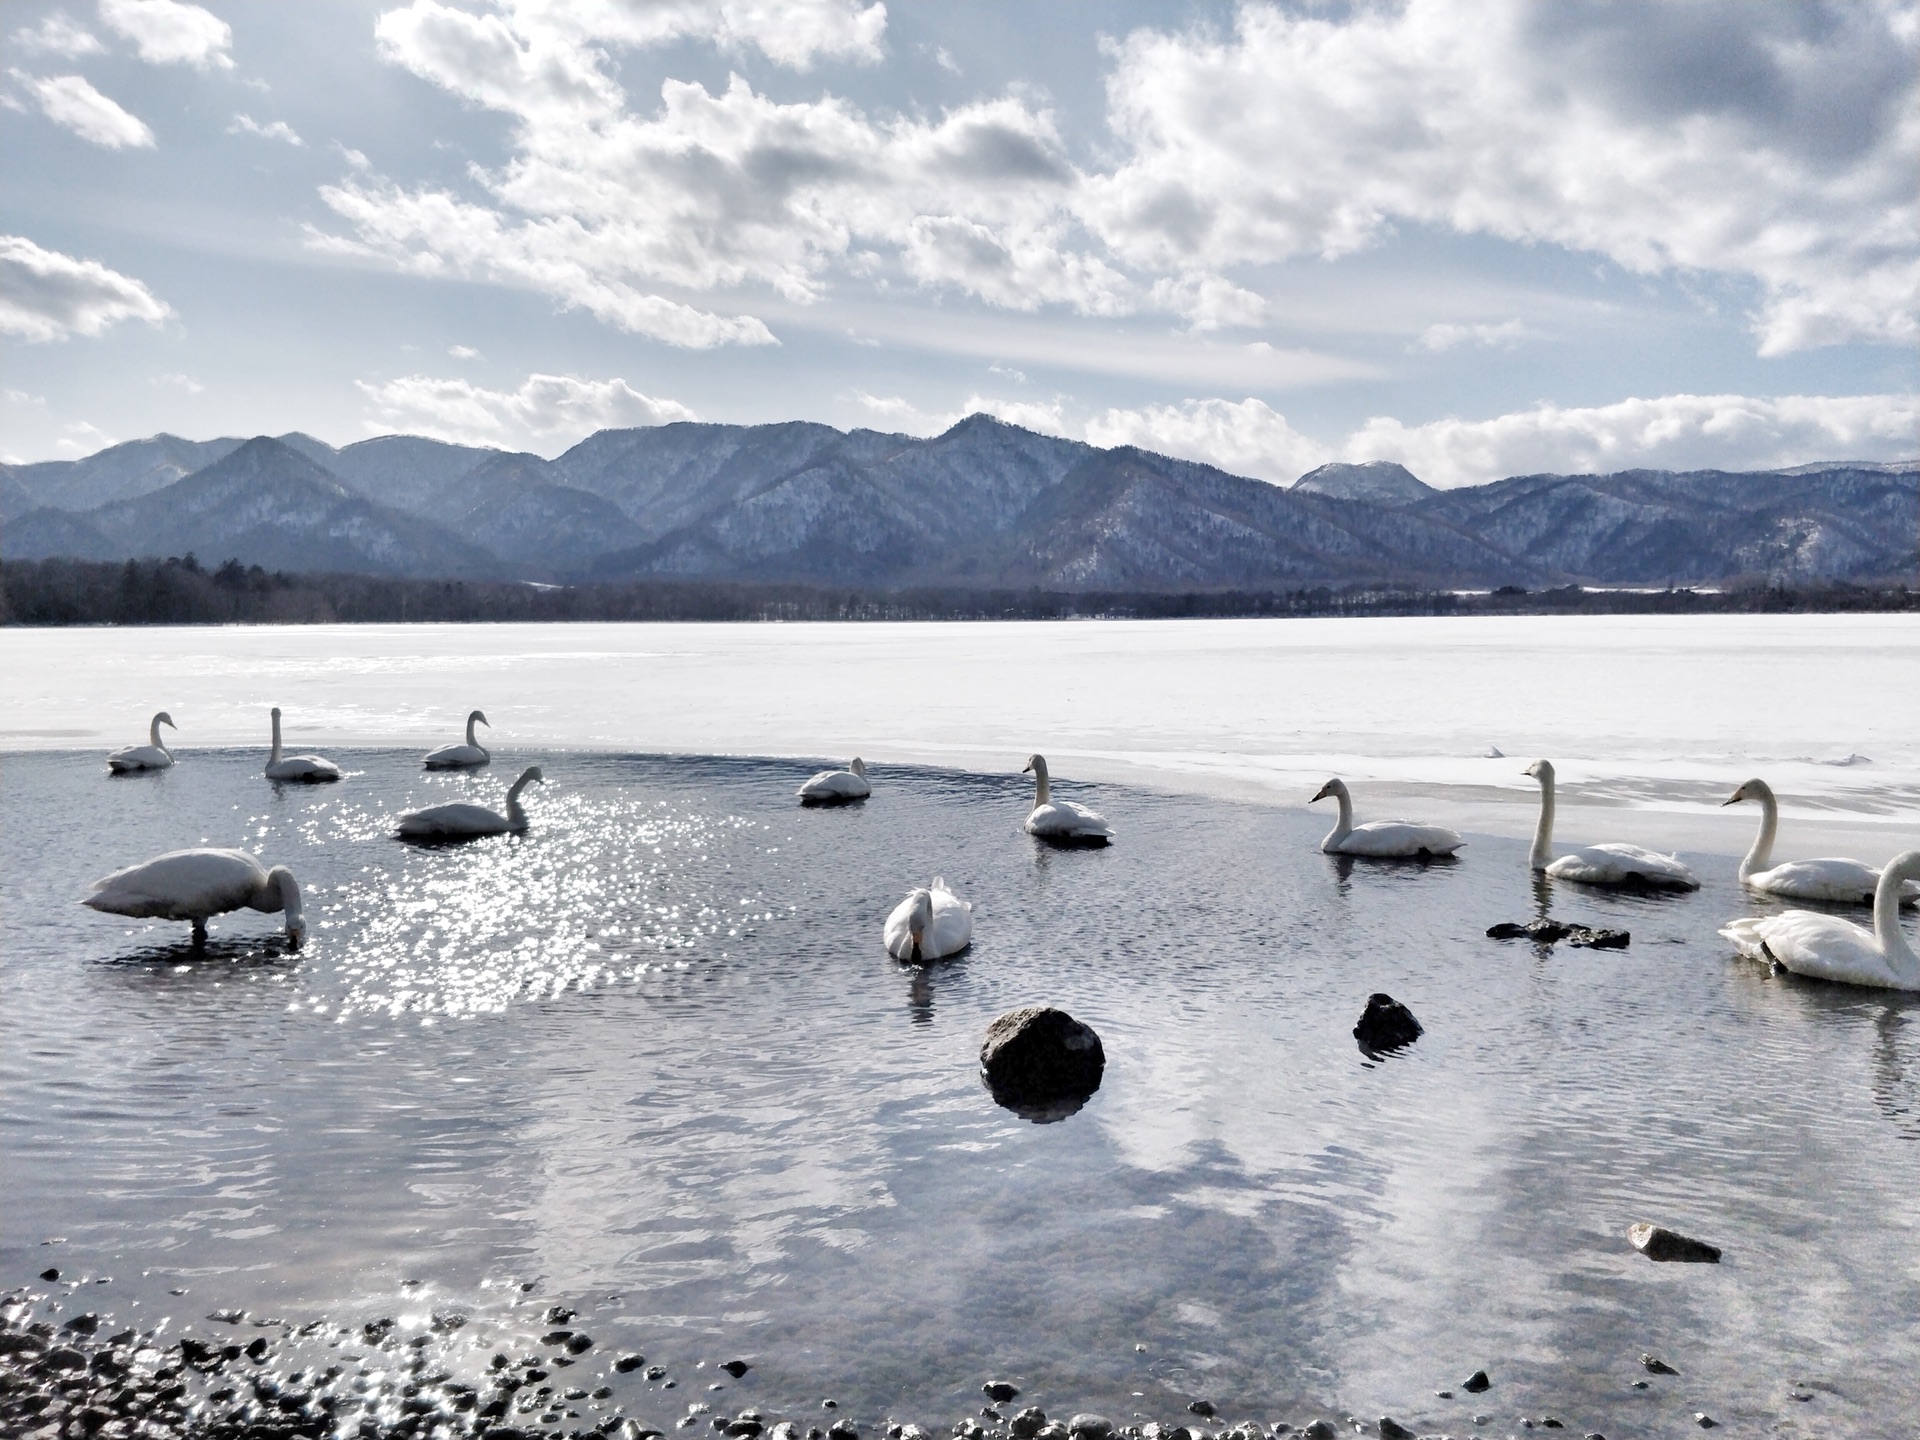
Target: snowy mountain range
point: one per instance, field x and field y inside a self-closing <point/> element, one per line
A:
<point x="986" y="504"/>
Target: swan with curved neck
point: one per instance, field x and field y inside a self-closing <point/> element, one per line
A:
<point x="462" y="820"/>
<point x="195" y="884"/>
<point x="1830" y="878"/>
<point x="1381" y="839"/>
<point x="151" y="756"/>
<point x="930" y="924"/>
<point x="836" y="787"/>
<point x="462" y="757"/>
<point x="1825" y="947"/>
<point x="310" y="769"/>
<point x="1612" y="862"/>
<point x="1061" y="821"/>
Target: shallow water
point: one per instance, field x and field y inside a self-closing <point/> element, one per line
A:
<point x="652" y="1059"/>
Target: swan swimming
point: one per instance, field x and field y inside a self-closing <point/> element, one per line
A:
<point x="310" y="768"/>
<point x="1826" y="947"/>
<point x="1381" y="839"/>
<point x="1833" y="878"/>
<point x="1612" y="863"/>
<point x="1061" y="820"/>
<point x="461" y="820"/>
<point x="151" y="756"/>
<point x="462" y="757"/>
<point x="193" y="884"/>
<point x="930" y="924"/>
<point x="836" y="787"/>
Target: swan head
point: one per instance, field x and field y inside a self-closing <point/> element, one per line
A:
<point x="1752" y="790"/>
<point x="1332" y="787"/>
<point x="1036" y="765"/>
<point x="532" y="772"/>
<point x="858" y="767"/>
<point x="479" y="718"/>
<point x="1541" y="770"/>
<point x="287" y="890"/>
<point x="275" y="712"/>
<point x="920" y="917"/>
<point x="165" y="719"/>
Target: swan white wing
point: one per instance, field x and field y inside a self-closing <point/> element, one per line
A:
<point x="1614" y="863"/>
<point x="180" y="885"/>
<point x="140" y="757"/>
<point x="1823" y="947"/>
<point x="1063" y="819"/>
<point x="458" y="818"/>
<point x="303" y="767"/>
<point x="1398" y="839"/>
<point x="1835" y="879"/>
<point x="456" y="757"/>
<point x="835" y="785"/>
<point x="952" y="927"/>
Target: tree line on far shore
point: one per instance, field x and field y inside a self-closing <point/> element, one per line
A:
<point x="181" y="591"/>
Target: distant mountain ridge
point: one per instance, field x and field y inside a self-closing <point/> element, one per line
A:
<point x="984" y="505"/>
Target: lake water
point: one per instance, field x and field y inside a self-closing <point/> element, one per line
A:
<point x="652" y="1061"/>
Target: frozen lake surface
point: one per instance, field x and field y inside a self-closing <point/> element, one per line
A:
<point x="651" y="1060"/>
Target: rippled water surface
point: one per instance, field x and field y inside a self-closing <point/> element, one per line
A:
<point x="652" y="1060"/>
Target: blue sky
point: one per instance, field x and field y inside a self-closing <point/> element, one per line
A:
<point x="1479" y="238"/>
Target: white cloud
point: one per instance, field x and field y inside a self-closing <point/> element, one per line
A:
<point x="1503" y="336"/>
<point x="544" y="405"/>
<point x="1774" y="143"/>
<point x="273" y="130"/>
<point x="58" y="34"/>
<point x="463" y="352"/>
<point x="794" y="33"/>
<point x="70" y="102"/>
<point x="167" y="32"/>
<point x="1727" y="432"/>
<point x="45" y="295"/>
<point x="83" y="437"/>
<point x="185" y="382"/>
<point x="1245" y="438"/>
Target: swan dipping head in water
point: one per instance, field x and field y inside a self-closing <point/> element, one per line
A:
<point x="309" y="769"/>
<point x="930" y="924"/>
<point x="1609" y="863"/>
<point x="1061" y="821"/>
<point x="151" y="756"/>
<point x="1848" y="882"/>
<point x="462" y="757"/>
<point x="195" y="884"/>
<point x="463" y="821"/>
<point x="1381" y="839"/>
<point x="836" y="787"/>
<point x="1825" y="947"/>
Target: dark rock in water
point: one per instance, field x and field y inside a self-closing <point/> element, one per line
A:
<point x="1656" y="1366"/>
<point x="843" y="1430"/>
<point x="52" y="1272"/>
<point x="233" y="1317"/>
<point x="1656" y="1242"/>
<point x="559" y="1314"/>
<point x="1552" y="1424"/>
<point x="1052" y="1430"/>
<point x="1392" y="1429"/>
<point x="1477" y="1383"/>
<point x="579" y="1344"/>
<point x="1548" y="932"/>
<point x="83" y="1324"/>
<point x="1704" y="1420"/>
<point x="736" y="1368"/>
<point x="446" y="1321"/>
<point x="374" y="1331"/>
<point x="628" y="1363"/>
<point x="1037" y="1054"/>
<point x="257" y="1350"/>
<point x="1386" y="1025"/>
<point x="1000" y="1391"/>
<point x="1587" y="938"/>
<point x="1090" y="1427"/>
<point x="1320" y="1430"/>
<point x="1027" y="1423"/>
<point x="1201" y="1407"/>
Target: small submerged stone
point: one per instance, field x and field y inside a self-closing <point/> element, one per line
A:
<point x="1656" y="1242"/>
<point x="1386" y="1025"/>
<point x="1476" y="1384"/>
<point x="1656" y="1366"/>
<point x="1000" y="1391"/>
<point x="1549" y="932"/>
<point x="736" y="1368"/>
<point x="1392" y="1429"/>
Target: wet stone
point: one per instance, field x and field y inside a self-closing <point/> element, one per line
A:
<point x="1090" y="1427"/>
<point x="1392" y="1429"/>
<point x="626" y="1364"/>
<point x="1656" y="1242"/>
<point x="1000" y="1390"/>
<point x="1477" y="1384"/>
<point x="1026" y="1424"/>
<point x="736" y="1368"/>
<point x="1201" y="1407"/>
<point x="1656" y="1366"/>
<point x="1386" y="1025"/>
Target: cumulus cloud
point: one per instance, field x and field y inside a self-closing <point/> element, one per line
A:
<point x="544" y="405"/>
<point x="273" y="130"/>
<point x="45" y="295"/>
<point x="57" y="34"/>
<point x="1247" y="437"/>
<point x="1772" y="142"/>
<point x="1503" y="336"/>
<point x="73" y="104"/>
<point x="1727" y="432"/>
<point x="168" y="32"/>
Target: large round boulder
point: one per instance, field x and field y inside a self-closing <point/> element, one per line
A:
<point x="1041" y="1062"/>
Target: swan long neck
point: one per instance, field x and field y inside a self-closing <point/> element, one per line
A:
<point x="1762" y="850"/>
<point x="153" y="734"/>
<point x="516" y="812"/>
<point x="1543" y="832"/>
<point x="472" y="720"/>
<point x="858" y="767"/>
<point x="1042" y="791"/>
<point x="1343" y="826"/>
<point x="1886" y="916"/>
<point x="274" y="758"/>
<point x="285" y="890"/>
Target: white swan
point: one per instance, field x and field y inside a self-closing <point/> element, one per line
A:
<point x="1829" y="948"/>
<point x="193" y="884"/>
<point x="1061" y="820"/>
<point x="1833" y="878"/>
<point x="1611" y="863"/>
<point x="836" y="787"/>
<point x="462" y="757"/>
<point x="151" y="756"/>
<point x="461" y="820"/>
<point x="1381" y="839"/>
<point x="310" y="768"/>
<point x="930" y="924"/>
